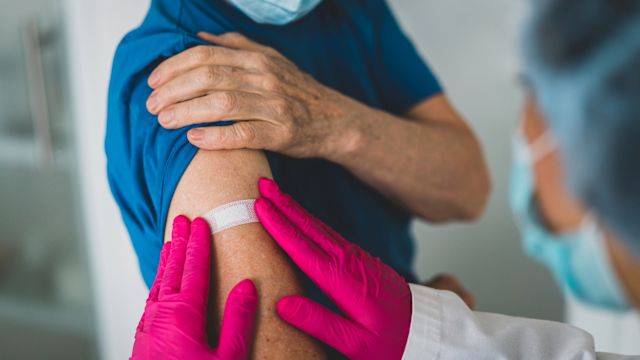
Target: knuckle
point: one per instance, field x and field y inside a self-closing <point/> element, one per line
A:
<point x="201" y="53"/>
<point x="226" y="136"/>
<point x="261" y="60"/>
<point x="288" y="133"/>
<point x="271" y="83"/>
<point x="280" y="107"/>
<point x="171" y="90"/>
<point x="227" y="101"/>
<point x="167" y="92"/>
<point x="226" y="72"/>
<point x="246" y="133"/>
<point x="273" y="52"/>
<point x="185" y="111"/>
<point x="209" y="76"/>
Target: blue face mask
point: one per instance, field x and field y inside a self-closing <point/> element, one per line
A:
<point x="275" y="12"/>
<point x="579" y="259"/>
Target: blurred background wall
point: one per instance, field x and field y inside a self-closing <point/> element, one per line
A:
<point x="57" y="213"/>
<point x="46" y="302"/>
<point x="472" y="47"/>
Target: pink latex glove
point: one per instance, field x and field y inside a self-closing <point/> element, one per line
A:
<point x="173" y="323"/>
<point x="375" y="300"/>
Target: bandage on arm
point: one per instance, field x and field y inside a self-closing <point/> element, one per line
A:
<point x="231" y="214"/>
<point x="213" y="180"/>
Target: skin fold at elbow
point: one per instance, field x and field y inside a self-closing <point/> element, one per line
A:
<point x="464" y="200"/>
<point x="474" y="205"/>
<point x="472" y="195"/>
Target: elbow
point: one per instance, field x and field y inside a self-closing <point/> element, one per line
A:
<point x="476" y="191"/>
<point x="471" y="195"/>
<point x="464" y="184"/>
<point x="466" y="201"/>
<point x="474" y="205"/>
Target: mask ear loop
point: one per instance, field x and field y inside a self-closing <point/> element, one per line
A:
<point x="542" y="147"/>
<point x="538" y="149"/>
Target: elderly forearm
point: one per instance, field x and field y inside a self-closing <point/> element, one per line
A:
<point x="435" y="169"/>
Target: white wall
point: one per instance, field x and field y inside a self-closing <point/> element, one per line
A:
<point x="470" y="45"/>
<point x="94" y="29"/>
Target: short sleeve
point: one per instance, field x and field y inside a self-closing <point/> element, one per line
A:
<point x="403" y="77"/>
<point x="145" y="162"/>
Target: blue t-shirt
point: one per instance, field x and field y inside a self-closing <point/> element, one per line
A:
<point x="353" y="46"/>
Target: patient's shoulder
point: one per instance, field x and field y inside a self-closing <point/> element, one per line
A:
<point x="138" y="150"/>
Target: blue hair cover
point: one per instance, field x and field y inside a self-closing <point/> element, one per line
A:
<point x="592" y="103"/>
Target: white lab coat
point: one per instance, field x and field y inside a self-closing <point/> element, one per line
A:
<point x="443" y="328"/>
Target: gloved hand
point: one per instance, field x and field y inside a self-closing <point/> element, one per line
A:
<point x="173" y="323"/>
<point x="375" y="300"/>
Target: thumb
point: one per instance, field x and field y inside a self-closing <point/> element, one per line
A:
<point x="236" y="335"/>
<point x="321" y="323"/>
<point x="240" y="135"/>
<point x="209" y="37"/>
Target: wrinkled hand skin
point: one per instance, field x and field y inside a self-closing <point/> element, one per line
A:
<point x="449" y="282"/>
<point x="172" y="326"/>
<point x="375" y="300"/>
<point x="275" y="105"/>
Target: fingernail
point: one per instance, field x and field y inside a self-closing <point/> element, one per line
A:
<point x="166" y="117"/>
<point x="152" y="102"/>
<point x="154" y="79"/>
<point x="195" y="134"/>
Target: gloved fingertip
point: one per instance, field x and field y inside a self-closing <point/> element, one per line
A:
<point x="263" y="180"/>
<point x="200" y="225"/>
<point x="263" y="208"/>
<point x="268" y="187"/>
<point x="180" y="221"/>
<point x="281" y="306"/>
<point x="166" y="247"/>
<point x="246" y="292"/>
<point x="288" y="306"/>
<point x="180" y="231"/>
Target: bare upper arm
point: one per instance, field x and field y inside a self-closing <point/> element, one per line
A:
<point x="217" y="177"/>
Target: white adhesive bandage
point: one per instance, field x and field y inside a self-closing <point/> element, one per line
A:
<point x="230" y="215"/>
